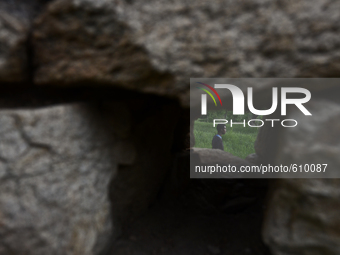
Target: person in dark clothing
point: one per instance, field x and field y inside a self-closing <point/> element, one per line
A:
<point x="217" y="142"/>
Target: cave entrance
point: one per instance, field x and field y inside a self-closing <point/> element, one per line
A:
<point x="200" y="216"/>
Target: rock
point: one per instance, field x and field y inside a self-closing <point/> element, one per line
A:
<point x="131" y="44"/>
<point x="314" y="140"/>
<point x="85" y="41"/>
<point x="208" y="156"/>
<point x="212" y="157"/>
<point x="252" y="158"/>
<point x="55" y="167"/>
<point x="302" y="215"/>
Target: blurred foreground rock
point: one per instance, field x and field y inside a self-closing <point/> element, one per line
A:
<point x="213" y="156"/>
<point x="303" y="217"/>
<point x="55" y="167"/>
<point x="303" y="214"/>
<point x="316" y="138"/>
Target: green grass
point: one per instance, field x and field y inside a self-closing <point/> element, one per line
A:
<point x="238" y="140"/>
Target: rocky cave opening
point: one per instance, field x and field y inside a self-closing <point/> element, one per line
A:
<point x="183" y="215"/>
<point x="87" y="168"/>
<point x="156" y="208"/>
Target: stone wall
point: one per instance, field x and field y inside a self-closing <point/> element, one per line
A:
<point x="72" y="173"/>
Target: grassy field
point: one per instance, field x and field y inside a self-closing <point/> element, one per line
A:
<point x="238" y="140"/>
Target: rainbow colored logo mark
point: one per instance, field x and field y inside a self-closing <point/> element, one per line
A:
<point x="213" y="90"/>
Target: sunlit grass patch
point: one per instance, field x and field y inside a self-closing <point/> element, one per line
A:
<point x="238" y="140"/>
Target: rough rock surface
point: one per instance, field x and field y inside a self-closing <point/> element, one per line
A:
<point x="55" y="167"/>
<point x="208" y="156"/>
<point x="13" y="46"/>
<point x="164" y="43"/>
<point x="302" y="215"/>
<point x="252" y="158"/>
<point x="315" y="139"/>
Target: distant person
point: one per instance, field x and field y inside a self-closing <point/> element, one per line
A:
<point x="217" y="142"/>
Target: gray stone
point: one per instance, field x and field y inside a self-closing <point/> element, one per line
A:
<point x="132" y="45"/>
<point x="79" y="41"/>
<point x="156" y="46"/>
<point x="55" y="167"/>
<point x="315" y="140"/>
<point x="302" y="214"/>
<point x="208" y="156"/>
<point x="303" y="217"/>
<point x="212" y="157"/>
<point x="252" y="158"/>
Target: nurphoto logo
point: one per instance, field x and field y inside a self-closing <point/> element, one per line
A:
<point x="239" y="102"/>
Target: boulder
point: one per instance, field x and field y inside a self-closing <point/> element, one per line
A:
<point x="204" y="158"/>
<point x="302" y="214"/>
<point x="252" y="158"/>
<point x="131" y="44"/>
<point x="303" y="217"/>
<point x="55" y="167"/>
<point x="72" y="175"/>
<point x="315" y="139"/>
